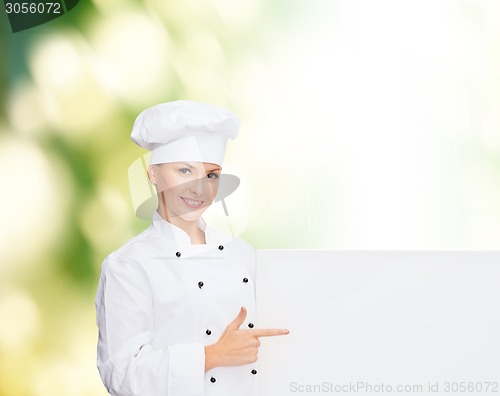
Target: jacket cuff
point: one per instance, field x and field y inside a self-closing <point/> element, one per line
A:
<point x="186" y="369"/>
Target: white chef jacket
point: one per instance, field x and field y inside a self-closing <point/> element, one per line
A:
<point x="160" y="300"/>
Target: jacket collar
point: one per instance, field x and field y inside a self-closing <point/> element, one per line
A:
<point x="177" y="234"/>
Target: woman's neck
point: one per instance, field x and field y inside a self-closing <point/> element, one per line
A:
<point x="196" y="235"/>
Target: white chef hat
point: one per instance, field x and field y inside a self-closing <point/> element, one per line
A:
<point x="184" y="130"/>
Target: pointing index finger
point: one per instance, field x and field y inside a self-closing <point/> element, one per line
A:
<point x="269" y="332"/>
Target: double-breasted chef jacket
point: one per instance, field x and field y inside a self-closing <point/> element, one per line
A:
<point x="160" y="300"/>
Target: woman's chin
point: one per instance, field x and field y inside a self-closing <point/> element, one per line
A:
<point x="193" y="215"/>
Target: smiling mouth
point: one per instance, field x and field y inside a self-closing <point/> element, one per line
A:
<point x="192" y="203"/>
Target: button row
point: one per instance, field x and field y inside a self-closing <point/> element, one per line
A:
<point x="178" y="254"/>
<point x="212" y="379"/>
<point x="201" y="284"/>
<point x="209" y="332"/>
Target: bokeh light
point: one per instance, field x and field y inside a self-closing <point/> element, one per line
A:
<point x="19" y="333"/>
<point x="26" y="99"/>
<point x="72" y="98"/>
<point x="133" y="48"/>
<point x="34" y="202"/>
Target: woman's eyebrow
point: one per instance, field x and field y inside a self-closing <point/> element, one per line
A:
<point x="192" y="167"/>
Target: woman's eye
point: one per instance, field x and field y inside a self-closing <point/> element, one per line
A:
<point x="213" y="176"/>
<point x="185" y="171"/>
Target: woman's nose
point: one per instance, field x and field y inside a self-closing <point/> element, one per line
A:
<point x="198" y="186"/>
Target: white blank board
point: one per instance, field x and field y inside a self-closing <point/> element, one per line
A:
<point x="424" y="323"/>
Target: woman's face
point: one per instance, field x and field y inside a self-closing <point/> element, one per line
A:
<point x="186" y="188"/>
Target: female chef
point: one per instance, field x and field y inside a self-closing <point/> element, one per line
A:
<point x="176" y="305"/>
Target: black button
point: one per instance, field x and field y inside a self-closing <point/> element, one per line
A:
<point x="221" y="247"/>
<point x="178" y="254"/>
<point x="200" y="284"/>
<point x="254" y="371"/>
<point x="250" y="325"/>
<point x="208" y="332"/>
<point x="245" y="280"/>
<point x="212" y="380"/>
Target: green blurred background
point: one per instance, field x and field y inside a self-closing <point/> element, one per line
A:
<point x="365" y="125"/>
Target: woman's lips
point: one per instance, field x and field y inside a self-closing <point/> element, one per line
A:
<point x="192" y="203"/>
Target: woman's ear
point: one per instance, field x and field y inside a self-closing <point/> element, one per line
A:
<point x="152" y="173"/>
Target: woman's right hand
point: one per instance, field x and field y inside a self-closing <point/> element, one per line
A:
<point x="237" y="346"/>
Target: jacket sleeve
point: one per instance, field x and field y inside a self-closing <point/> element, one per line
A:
<point x="127" y="361"/>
